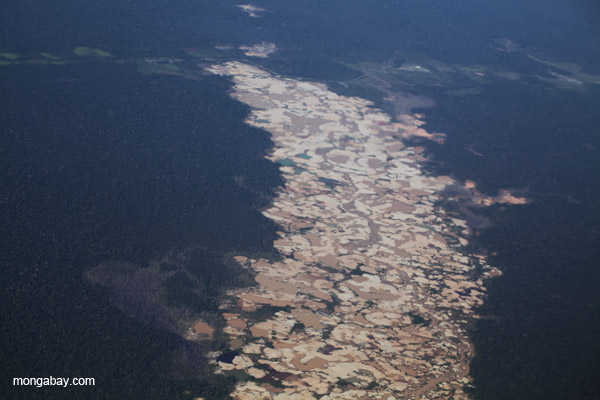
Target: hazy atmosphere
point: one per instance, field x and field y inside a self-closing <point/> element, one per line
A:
<point x="300" y="200"/>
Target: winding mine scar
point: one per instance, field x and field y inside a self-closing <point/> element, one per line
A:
<point x="373" y="300"/>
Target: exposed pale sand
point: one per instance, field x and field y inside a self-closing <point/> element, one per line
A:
<point x="261" y="50"/>
<point x="316" y="362"/>
<point x="504" y="196"/>
<point x="273" y="285"/>
<point x="202" y="328"/>
<point x="364" y="248"/>
<point x="257" y="331"/>
<point x="237" y="323"/>
<point x="236" y="344"/>
<point x="308" y="318"/>
<point x="251" y="10"/>
<point x="240" y="259"/>
<point x="264" y="300"/>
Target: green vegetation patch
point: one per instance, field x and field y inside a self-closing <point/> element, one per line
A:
<point x="207" y="52"/>
<point x="144" y="67"/>
<point x="238" y="374"/>
<point x="156" y="66"/>
<point x="463" y="92"/>
<point x="83" y="51"/>
<point x="9" y="56"/>
<point x="170" y="67"/>
<point x="50" y="56"/>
